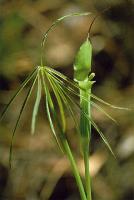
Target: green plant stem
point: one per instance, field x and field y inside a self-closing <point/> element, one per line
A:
<point x="85" y="126"/>
<point x="87" y="175"/>
<point x="75" y="170"/>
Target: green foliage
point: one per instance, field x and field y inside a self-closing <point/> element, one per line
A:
<point x="36" y="105"/>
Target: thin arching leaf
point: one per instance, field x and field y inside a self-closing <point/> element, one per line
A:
<point x="19" y="117"/>
<point x="49" y="117"/>
<point x="103" y="137"/>
<point x="66" y="85"/>
<point x="62" y="76"/>
<point x="94" y="125"/>
<point x="18" y="92"/>
<point x="62" y="113"/>
<point x="51" y="123"/>
<point x="103" y="111"/>
<point x="108" y="104"/>
<point x="97" y="129"/>
<point x="66" y="100"/>
<point x="36" y="106"/>
<point x="74" y="85"/>
<point x="78" y="106"/>
<point x="100" y="133"/>
<point x="50" y="106"/>
<point x="59" y="20"/>
<point x="70" y="107"/>
<point x="93" y="103"/>
<point x="72" y="91"/>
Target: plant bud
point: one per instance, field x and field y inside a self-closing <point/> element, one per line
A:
<point x="82" y="63"/>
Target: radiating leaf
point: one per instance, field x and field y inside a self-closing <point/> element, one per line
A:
<point x="51" y="123"/>
<point x="103" y="137"/>
<point x="100" y="133"/>
<point x="18" y="119"/>
<point x="103" y="111"/>
<point x="66" y="100"/>
<point x="108" y="104"/>
<point x="74" y="85"/>
<point x="36" y="106"/>
<point x="73" y="91"/>
<point x="62" y="113"/>
<point x="49" y="103"/>
<point x="95" y="126"/>
<point x="18" y="92"/>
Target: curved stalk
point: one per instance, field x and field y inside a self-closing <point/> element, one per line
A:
<point x="54" y="24"/>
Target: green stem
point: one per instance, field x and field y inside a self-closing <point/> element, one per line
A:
<point x="85" y="126"/>
<point x="87" y="175"/>
<point x="75" y="170"/>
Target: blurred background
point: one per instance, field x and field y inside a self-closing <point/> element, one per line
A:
<point x="39" y="170"/>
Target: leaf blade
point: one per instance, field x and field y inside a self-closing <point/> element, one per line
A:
<point x="108" y="104"/>
<point x="18" y="119"/>
<point x="103" y="111"/>
<point x="36" y="106"/>
<point x="49" y="103"/>
<point x="17" y="93"/>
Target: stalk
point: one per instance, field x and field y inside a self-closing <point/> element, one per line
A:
<point x="85" y="127"/>
<point x="75" y="170"/>
<point x="45" y="36"/>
